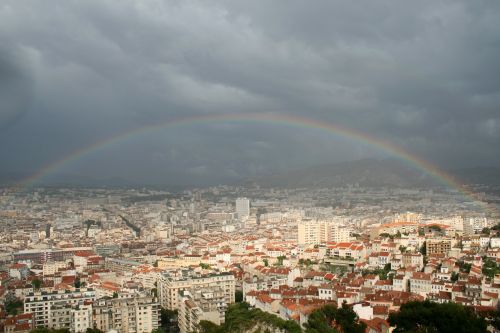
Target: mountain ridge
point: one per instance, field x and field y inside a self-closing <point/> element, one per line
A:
<point x="365" y="172"/>
<point x="374" y="173"/>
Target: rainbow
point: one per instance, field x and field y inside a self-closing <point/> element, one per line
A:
<point x="266" y="118"/>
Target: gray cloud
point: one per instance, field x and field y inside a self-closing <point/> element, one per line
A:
<point x="421" y="74"/>
<point x="15" y="89"/>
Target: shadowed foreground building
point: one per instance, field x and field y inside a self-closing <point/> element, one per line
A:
<point x="127" y="315"/>
<point x="201" y="304"/>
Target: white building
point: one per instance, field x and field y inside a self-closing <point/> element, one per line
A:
<point x="169" y="286"/>
<point x="81" y="318"/>
<point x="242" y="208"/>
<point x="420" y="283"/>
<point x="52" y="267"/>
<point x="314" y="232"/>
<point x="40" y="303"/>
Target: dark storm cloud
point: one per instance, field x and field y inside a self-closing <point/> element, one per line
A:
<point x="15" y="89"/>
<point x="423" y="74"/>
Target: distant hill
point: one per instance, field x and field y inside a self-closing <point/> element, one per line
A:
<point x="478" y="175"/>
<point x="12" y="178"/>
<point x="370" y="173"/>
<point x="366" y="172"/>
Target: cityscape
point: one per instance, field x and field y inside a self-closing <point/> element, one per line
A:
<point x="252" y="166"/>
<point x="114" y="259"/>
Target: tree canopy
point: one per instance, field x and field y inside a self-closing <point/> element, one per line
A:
<point x="11" y="307"/>
<point x="490" y="268"/>
<point x="330" y="319"/>
<point x="36" y="283"/>
<point x="240" y="318"/>
<point x="430" y="317"/>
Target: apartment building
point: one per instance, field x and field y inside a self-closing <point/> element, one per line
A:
<point x="81" y="317"/>
<point x="201" y="304"/>
<point x="106" y="250"/>
<point x="44" y="255"/>
<point x="52" y="267"/>
<point x="59" y="316"/>
<point x="437" y="246"/>
<point x="242" y="208"/>
<point x="420" y="283"/>
<point x="170" y="284"/>
<point x="76" y="318"/>
<point x="46" y="306"/>
<point x="127" y="315"/>
<point x="121" y="265"/>
<point x="315" y="232"/>
<point x="412" y="260"/>
<point x="395" y="227"/>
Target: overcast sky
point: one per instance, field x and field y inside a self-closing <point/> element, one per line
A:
<point x="422" y="74"/>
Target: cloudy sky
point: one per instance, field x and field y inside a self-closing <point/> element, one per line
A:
<point x="424" y="75"/>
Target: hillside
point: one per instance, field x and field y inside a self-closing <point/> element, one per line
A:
<point x="371" y="173"/>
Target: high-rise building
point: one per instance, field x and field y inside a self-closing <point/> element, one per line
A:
<point x="309" y="232"/>
<point x="313" y="232"/>
<point x="169" y="286"/>
<point x="242" y="208"/>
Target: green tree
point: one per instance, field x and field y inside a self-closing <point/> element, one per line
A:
<point x="13" y="306"/>
<point x="93" y="330"/>
<point x="36" y="283"/>
<point x="240" y="316"/>
<point x="168" y="318"/>
<point x="280" y="260"/>
<point x="238" y="296"/>
<point x="434" y="317"/>
<point x="464" y="266"/>
<point x="494" y="318"/>
<point x="435" y="228"/>
<point x="486" y="231"/>
<point x="206" y="326"/>
<point x="266" y="262"/>
<point x="330" y="319"/>
<point x="78" y="283"/>
<point x="381" y="272"/>
<point x="490" y="268"/>
<point x="159" y="330"/>
<point x="115" y="294"/>
<point x="423" y="249"/>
